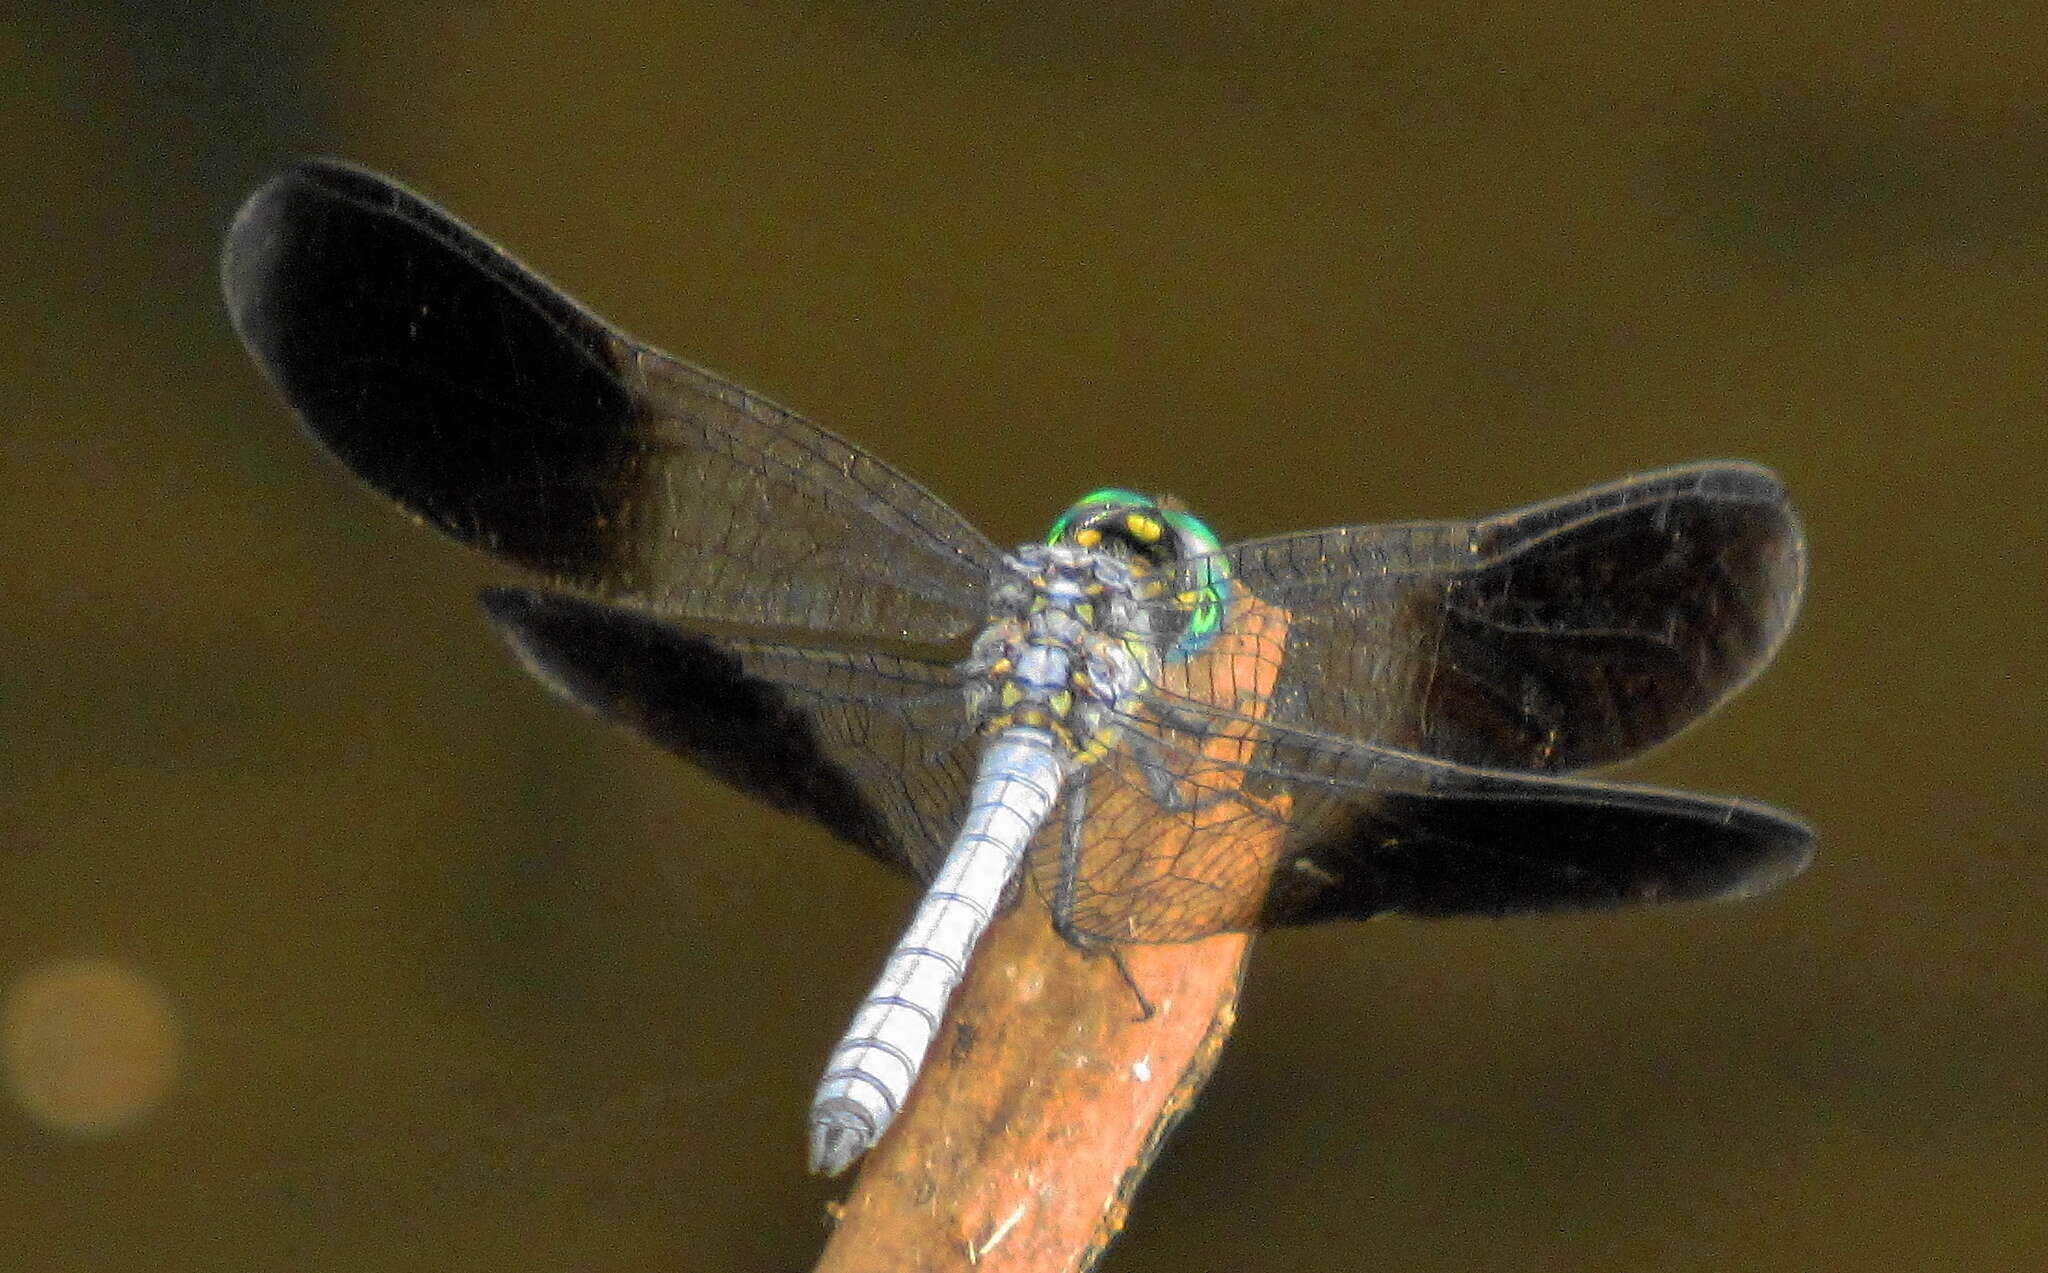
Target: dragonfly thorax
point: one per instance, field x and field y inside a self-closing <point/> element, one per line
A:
<point x="1068" y="647"/>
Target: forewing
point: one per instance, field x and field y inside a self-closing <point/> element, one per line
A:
<point x="875" y="748"/>
<point x="1571" y="633"/>
<point x="496" y="409"/>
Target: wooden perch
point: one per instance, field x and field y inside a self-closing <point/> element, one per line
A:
<point x="1047" y="1094"/>
<point x="1041" y="1105"/>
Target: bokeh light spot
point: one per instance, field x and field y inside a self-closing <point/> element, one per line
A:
<point x="88" y="1045"/>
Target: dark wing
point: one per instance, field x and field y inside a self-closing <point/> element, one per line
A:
<point x="499" y="411"/>
<point x="1478" y="842"/>
<point x="1313" y="828"/>
<point x="875" y="748"/>
<point x="1570" y="633"/>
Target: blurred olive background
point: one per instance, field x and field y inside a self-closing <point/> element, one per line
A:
<point x="330" y="942"/>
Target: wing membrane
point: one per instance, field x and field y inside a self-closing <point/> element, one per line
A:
<point x="1312" y="828"/>
<point x="1571" y="633"/>
<point x="874" y="747"/>
<point x="1508" y="844"/>
<point x="499" y="411"/>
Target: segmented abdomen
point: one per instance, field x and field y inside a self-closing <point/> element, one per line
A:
<point x="871" y="1071"/>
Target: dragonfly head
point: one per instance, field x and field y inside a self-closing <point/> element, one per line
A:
<point x="1159" y="534"/>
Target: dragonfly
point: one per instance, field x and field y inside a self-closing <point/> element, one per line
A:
<point x="1164" y="736"/>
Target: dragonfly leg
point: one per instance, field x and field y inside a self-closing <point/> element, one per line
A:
<point x="1062" y="905"/>
<point x="1178" y="721"/>
<point x="1160" y="781"/>
<point x="1137" y="992"/>
<point x="1075" y="811"/>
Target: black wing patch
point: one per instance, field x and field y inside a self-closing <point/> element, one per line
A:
<point x="1509" y="844"/>
<point x="1568" y="634"/>
<point x="876" y="749"/>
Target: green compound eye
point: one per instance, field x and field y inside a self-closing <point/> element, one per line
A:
<point x="1163" y="534"/>
<point x="1209" y="585"/>
<point x="1091" y="502"/>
